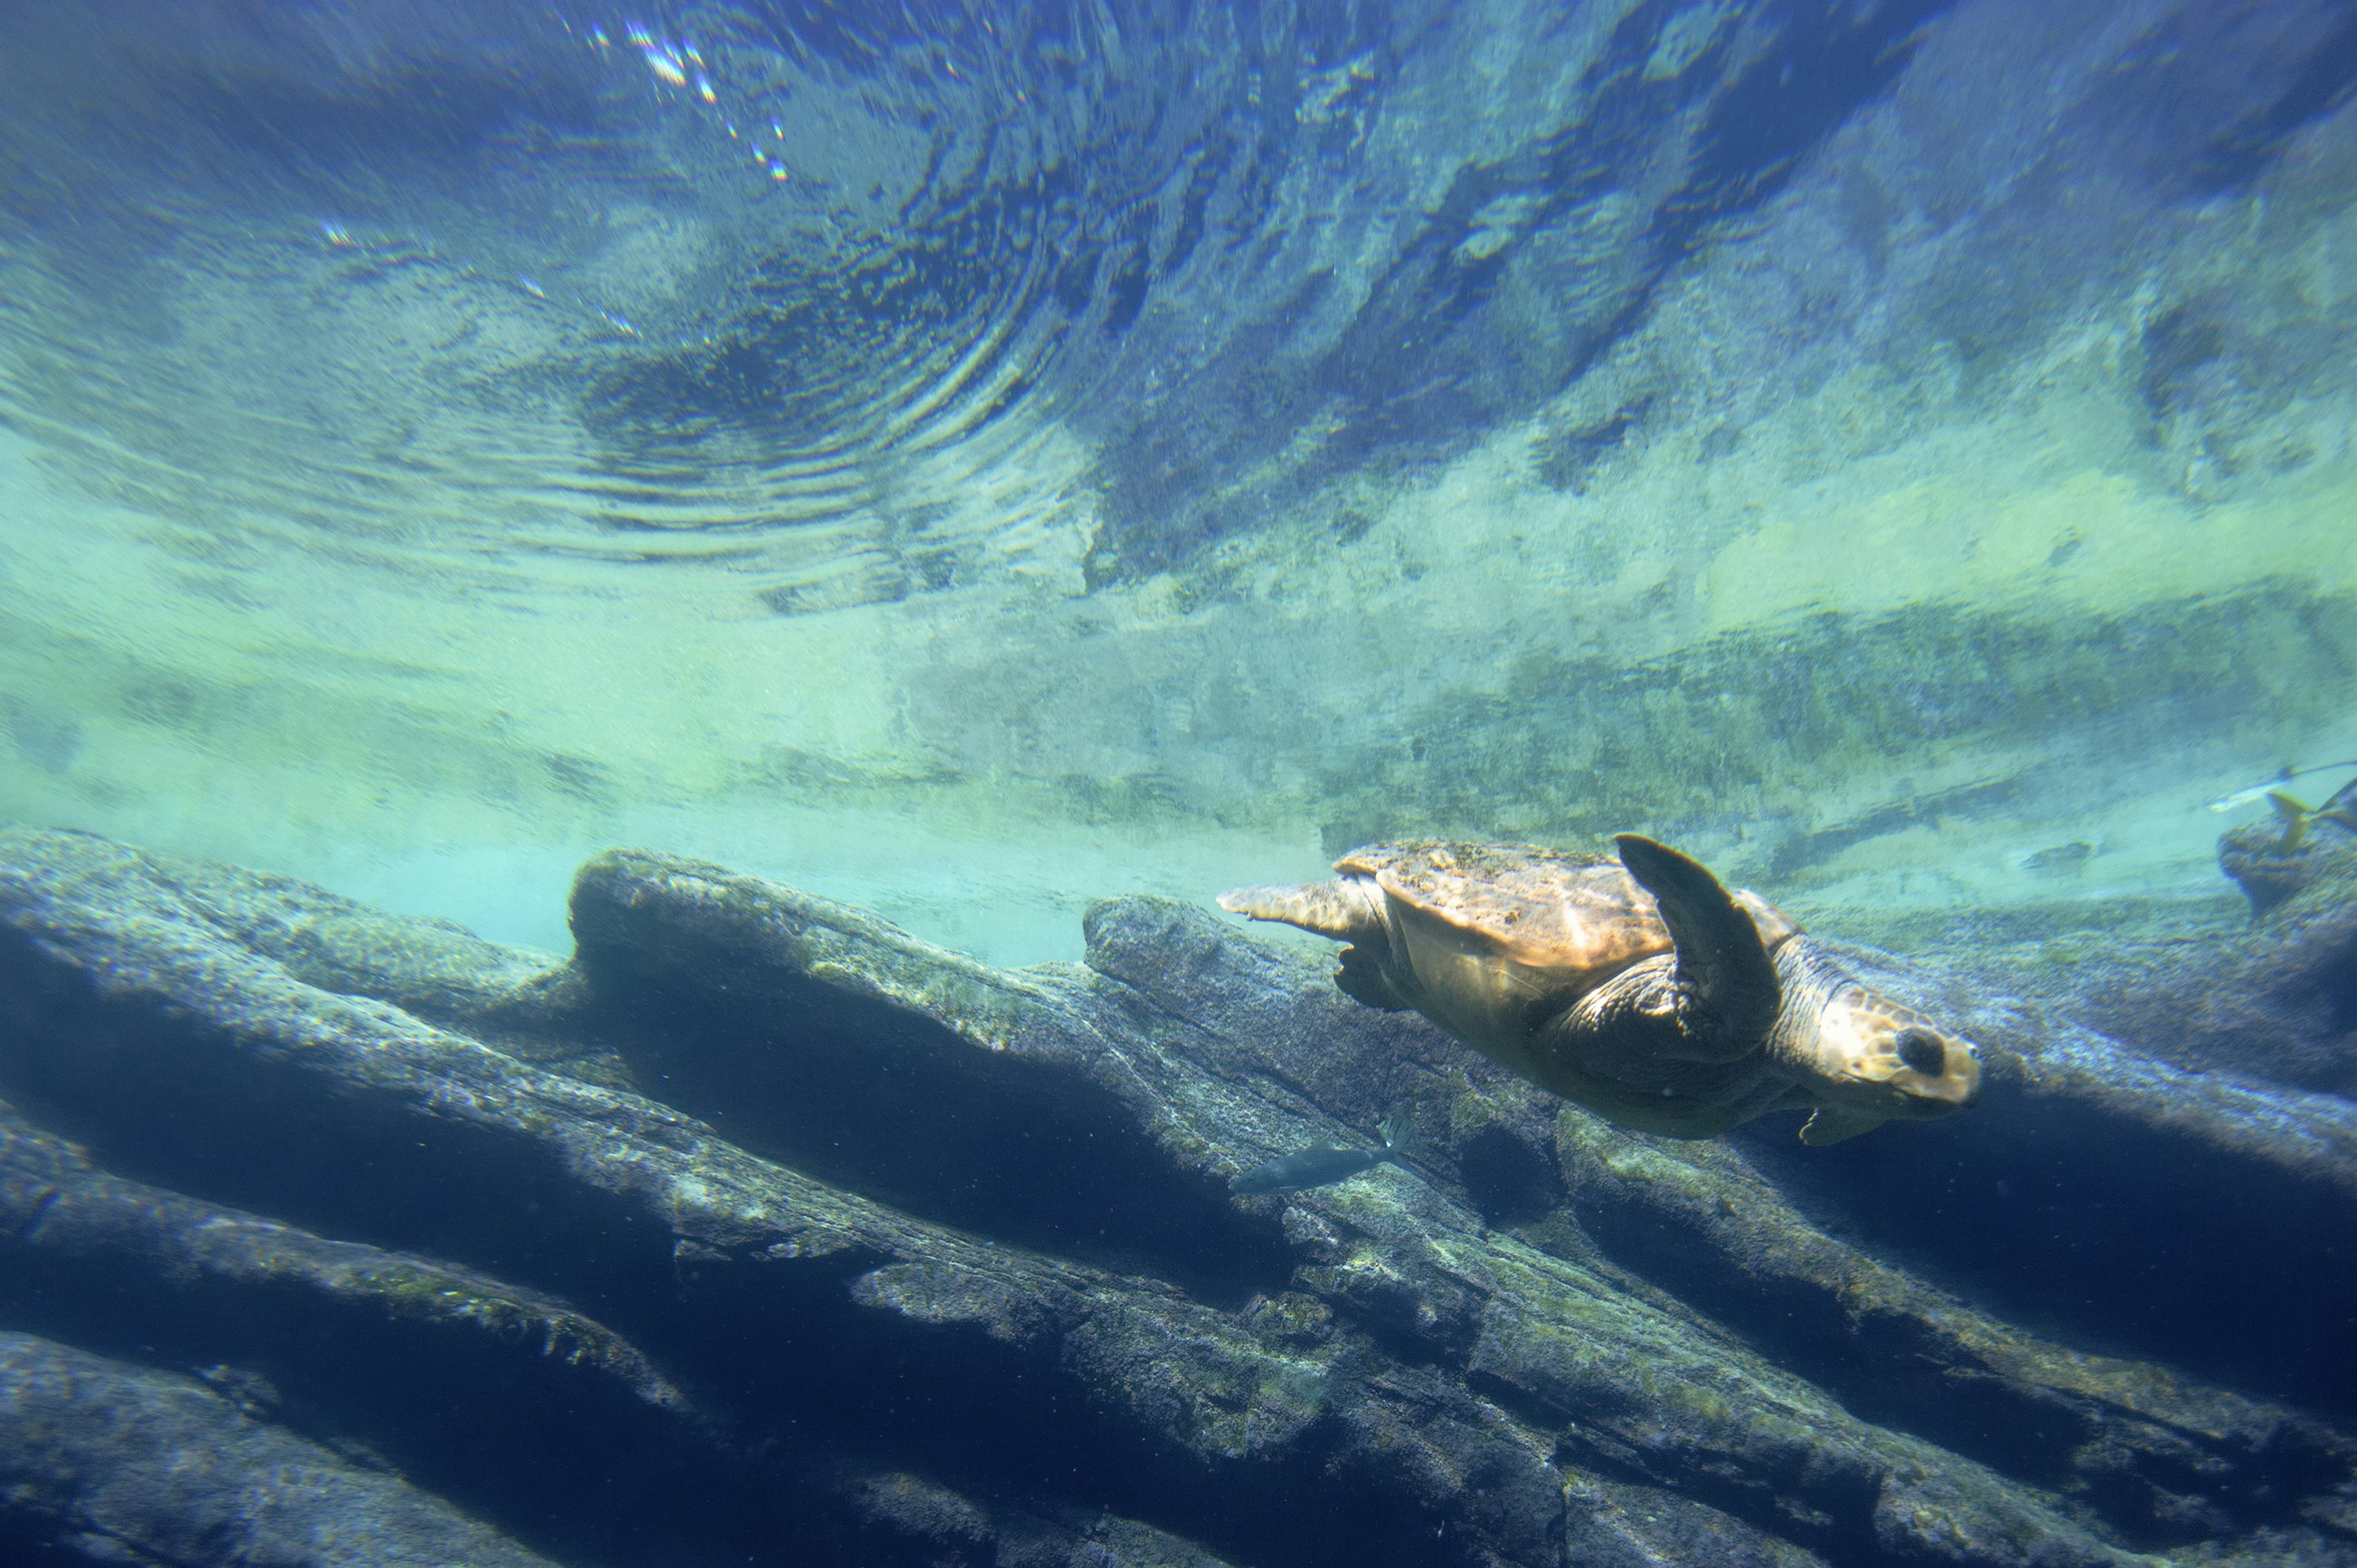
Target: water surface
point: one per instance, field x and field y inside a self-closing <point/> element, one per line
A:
<point x="976" y="458"/>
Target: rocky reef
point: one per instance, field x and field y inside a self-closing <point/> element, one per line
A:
<point x="761" y="1231"/>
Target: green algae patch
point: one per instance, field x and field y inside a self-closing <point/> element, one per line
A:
<point x="424" y="1294"/>
<point x="1223" y="1392"/>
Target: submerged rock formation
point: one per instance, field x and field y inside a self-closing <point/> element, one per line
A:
<point x="116" y="1463"/>
<point x="2273" y="997"/>
<point x="762" y="1231"/>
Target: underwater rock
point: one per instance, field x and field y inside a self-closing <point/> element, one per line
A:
<point x="863" y="1196"/>
<point x="2272" y="867"/>
<point x="103" y="1462"/>
<point x="1256" y="1010"/>
<point x="1612" y="1525"/>
<point x="2280" y="1000"/>
<point x="2120" y="1167"/>
<point x="921" y="1522"/>
<point x="2170" y="1459"/>
<point x="345" y="1334"/>
<point x="2273" y="1002"/>
<point x="133" y="1019"/>
<point x="2103" y="1183"/>
<point x="1733" y="1245"/>
<point x="60" y="1217"/>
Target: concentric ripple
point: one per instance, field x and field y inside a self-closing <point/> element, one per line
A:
<point x="846" y="301"/>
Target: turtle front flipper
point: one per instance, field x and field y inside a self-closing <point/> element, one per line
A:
<point x="1349" y="908"/>
<point x="1723" y="992"/>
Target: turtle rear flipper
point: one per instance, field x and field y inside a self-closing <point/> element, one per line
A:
<point x="1726" y="993"/>
<point x="1361" y="977"/>
<point x="1349" y="909"/>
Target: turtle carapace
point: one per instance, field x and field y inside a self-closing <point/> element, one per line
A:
<point x="1638" y="987"/>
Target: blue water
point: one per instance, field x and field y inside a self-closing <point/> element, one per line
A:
<point x="972" y="460"/>
<point x="891" y="448"/>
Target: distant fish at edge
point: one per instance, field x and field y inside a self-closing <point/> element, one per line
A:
<point x="1319" y="1167"/>
<point x="2262" y="791"/>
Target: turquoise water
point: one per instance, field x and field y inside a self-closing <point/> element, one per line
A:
<point x="977" y="459"/>
<point x="1020" y="468"/>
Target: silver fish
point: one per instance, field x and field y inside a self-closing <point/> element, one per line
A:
<point x="1319" y="1167"/>
<point x="2261" y="791"/>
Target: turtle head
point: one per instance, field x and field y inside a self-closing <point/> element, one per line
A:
<point x="1874" y="1058"/>
<point x="1907" y="1061"/>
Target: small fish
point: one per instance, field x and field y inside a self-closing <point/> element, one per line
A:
<point x="1319" y="1167"/>
<point x="2262" y="791"/>
<point x="2062" y="860"/>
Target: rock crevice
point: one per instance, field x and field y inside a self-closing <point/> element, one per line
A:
<point x="812" y="1238"/>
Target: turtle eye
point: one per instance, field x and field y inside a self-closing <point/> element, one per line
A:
<point x="1922" y="1050"/>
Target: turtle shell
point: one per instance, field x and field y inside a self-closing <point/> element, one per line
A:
<point x="1577" y="919"/>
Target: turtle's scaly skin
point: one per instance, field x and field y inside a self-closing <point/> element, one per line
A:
<point x="1638" y="987"/>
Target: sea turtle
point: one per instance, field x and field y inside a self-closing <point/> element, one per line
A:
<point x="1640" y="988"/>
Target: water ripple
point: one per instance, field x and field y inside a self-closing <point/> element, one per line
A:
<point x="845" y="302"/>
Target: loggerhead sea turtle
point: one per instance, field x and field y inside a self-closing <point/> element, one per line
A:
<point x="1640" y="988"/>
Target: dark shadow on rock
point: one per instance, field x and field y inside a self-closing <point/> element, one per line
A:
<point x="2118" y="1202"/>
<point x="1396" y="1379"/>
<point x="117" y="1463"/>
<point x="818" y="1035"/>
<point x="482" y="1391"/>
<point x="2172" y="1466"/>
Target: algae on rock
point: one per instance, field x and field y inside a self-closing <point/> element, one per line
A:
<point x="840" y="1192"/>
